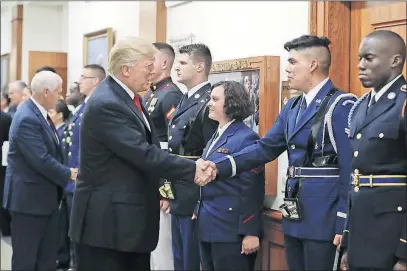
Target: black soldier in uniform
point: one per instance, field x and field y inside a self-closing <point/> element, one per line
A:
<point x="375" y="232"/>
<point x="189" y="130"/>
<point x="160" y="102"/>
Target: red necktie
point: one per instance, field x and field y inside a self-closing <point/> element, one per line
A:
<point x="137" y="103"/>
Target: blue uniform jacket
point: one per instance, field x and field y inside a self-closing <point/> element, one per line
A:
<point x="35" y="174"/>
<point x="70" y="142"/>
<point x="375" y="234"/>
<point x="231" y="208"/>
<point x="188" y="132"/>
<point x="323" y="201"/>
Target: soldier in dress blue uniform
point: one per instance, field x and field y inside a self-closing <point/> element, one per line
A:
<point x="160" y="102"/>
<point x="311" y="128"/>
<point x="229" y="213"/>
<point x="91" y="76"/>
<point x="375" y="234"/>
<point x="189" y="131"/>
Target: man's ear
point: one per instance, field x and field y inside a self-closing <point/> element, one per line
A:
<point x="396" y="60"/>
<point x="165" y="64"/>
<point x="125" y="71"/>
<point x="200" y="67"/>
<point x="313" y="65"/>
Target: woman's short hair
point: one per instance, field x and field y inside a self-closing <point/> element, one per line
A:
<point x="61" y="107"/>
<point x="238" y="105"/>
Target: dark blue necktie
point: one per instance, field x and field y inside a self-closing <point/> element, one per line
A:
<point x="303" y="107"/>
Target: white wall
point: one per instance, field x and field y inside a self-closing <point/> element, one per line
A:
<point x="6" y="16"/>
<point x="44" y="29"/>
<point x="86" y="17"/>
<point x="242" y="29"/>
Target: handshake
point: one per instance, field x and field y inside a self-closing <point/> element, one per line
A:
<point x="205" y="172"/>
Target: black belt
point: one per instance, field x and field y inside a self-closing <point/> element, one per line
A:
<point x="312" y="172"/>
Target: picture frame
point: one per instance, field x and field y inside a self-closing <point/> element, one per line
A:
<point x="5" y="71"/>
<point x="262" y="74"/>
<point x="96" y="47"/>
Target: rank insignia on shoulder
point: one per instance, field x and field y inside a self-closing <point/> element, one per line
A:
<point x="404" y="88"/>
<point x="223" y="150"/>
<point x="347" y="131"/>
<point x="170" y="112"/>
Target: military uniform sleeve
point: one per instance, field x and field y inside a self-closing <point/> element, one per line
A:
<point x="263" y="151"/>
<point x="170" y="102"/>
<point x="339" y="124"/>
<point x="402" y="247"/>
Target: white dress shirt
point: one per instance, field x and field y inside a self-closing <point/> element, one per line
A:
<point x="193" y="90"/>
<point x="220" y="131"/>
<point x="378" y="94"/>
<point x="131" y="94"/>
<point x="309" y="97"/>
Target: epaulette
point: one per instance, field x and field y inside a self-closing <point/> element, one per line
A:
<point x="404" y="88"/>
<point x="329" y="113"/>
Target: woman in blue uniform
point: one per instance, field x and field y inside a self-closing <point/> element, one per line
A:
<point x="229" y="211"/>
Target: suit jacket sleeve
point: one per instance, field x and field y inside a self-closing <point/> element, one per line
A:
<point x="32" y="146"/>
<point x="339" y="123"/>
<point x="250" y="216"/>
<point x="263" y="151"/>
<point x="402" y="247"/>
<point x="170" y="102"/>
<point x="123" y="138"/>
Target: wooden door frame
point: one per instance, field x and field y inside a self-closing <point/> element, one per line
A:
<point x="333" y="20"/>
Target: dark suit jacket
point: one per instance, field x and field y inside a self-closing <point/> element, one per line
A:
<point x="5" y="122"/>
<point x="116" y="201"/>
<point x="35" y="173"/>
<point x="231" y="208"/>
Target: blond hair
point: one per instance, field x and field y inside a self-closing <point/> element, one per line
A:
<point x="127" y="52"/>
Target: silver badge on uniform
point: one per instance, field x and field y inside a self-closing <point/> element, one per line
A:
<point x="318" y="101"/>
<point x="197" y="96"/>
<point x="391" y="95"/>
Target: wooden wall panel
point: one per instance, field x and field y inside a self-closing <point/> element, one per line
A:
<point x="272" y="245"/>
<point x="57" y="60"/>
<point x="161" y="22"/>
<point x="332" y="20"/>
<point x="16" y="43"/>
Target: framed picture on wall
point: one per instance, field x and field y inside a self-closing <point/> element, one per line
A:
<point x="5" y="66"/>
<point x="260" y="77"/>
<point x="96" y="47"/>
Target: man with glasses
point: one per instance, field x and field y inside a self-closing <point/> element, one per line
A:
<point x="90" y="78"/>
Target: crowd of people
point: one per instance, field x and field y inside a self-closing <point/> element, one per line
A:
<point x="105" y="179"/>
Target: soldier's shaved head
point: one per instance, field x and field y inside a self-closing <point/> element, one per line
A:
<point x="382" y="55"/>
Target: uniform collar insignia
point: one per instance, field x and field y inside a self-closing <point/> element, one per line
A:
<point x="404" y="88"/>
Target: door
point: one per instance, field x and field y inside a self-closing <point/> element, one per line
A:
<point x="57" y="60"/>
<point x="368" y="16"/>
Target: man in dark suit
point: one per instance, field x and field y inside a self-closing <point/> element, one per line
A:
<point x="35" y="177"/>
<point x="5" y="122"/>
<point x="375" y="233"/>
<point x="116" y="206"/>
<point x="15" y="93"/>
<point x="189" y="130"/>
